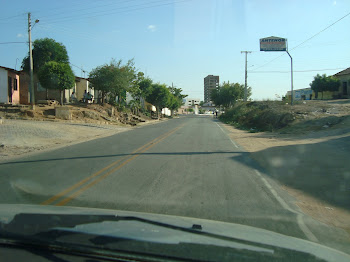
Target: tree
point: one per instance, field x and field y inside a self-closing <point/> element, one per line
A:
<point x="141" y="88"/>
<point x="227" y="94"/>
<point x="54" y="75"/>
<point x="175" y="99"/>
<point x="45" y="50"/>
<point x="114" y="79"/>
<point x="125" y="76"/>
<point x="159" y="97"/>
<point x="323" y="83"/>
<point x="146" y="85"/>
<point x="102" y="78"/>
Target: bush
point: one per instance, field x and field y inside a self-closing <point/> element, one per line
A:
<point x="258" y="116"/>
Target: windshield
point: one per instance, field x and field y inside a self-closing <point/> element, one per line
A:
<point x="229" y="111"/>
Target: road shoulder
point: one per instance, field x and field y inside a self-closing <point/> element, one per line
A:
<point x="22" y="138"/>
<point x="288" y="158"/>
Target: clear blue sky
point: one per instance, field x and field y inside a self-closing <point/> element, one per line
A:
<point x="182" y="41"/>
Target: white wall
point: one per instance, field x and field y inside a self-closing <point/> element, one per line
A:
<point x="166" y="111"/>
<point x="192" y="101"/>
<point x="3" y="86"/>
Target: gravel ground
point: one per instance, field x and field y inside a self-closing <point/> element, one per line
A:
<point x="19" y="137"/>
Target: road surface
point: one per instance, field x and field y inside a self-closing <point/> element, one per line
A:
<point x="187" y="166"/>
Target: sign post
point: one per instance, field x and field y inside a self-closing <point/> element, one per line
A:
<point x="274" y="44"/>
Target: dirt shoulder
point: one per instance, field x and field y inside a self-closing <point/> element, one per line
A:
<point x="310" y="160"/>
<point x="24" y="131"/>
<point x="24" y="137"/>
<point x="20" y="138"/>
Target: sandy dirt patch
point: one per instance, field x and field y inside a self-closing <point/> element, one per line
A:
<point x="23" y="137"/>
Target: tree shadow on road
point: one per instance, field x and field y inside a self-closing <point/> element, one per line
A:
<point x="120" y="155"/>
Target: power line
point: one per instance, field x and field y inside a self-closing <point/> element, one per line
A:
<point x="103" y="13"/>
<point x="321" y="31"/>
<point x="82" y="9"/>
<point x="299" y="71"/>
<point x="11" y="17"/>
<point x="305" y="41"/>
<point x="5" y="43"/>
<point x="79" y="68"/>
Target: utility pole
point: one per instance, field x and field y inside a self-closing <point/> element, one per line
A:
<point x="246" y="75"/>
<point x="32" y="100"/>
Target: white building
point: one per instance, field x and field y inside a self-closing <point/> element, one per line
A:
<point x="191" y="102"/>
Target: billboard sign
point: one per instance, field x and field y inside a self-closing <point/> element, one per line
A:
<point x="273" y="43"/>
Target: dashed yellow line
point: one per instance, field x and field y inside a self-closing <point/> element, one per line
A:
<point x="85" y="181"/>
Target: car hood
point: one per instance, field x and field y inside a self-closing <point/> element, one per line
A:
<point x="154" y="228"/>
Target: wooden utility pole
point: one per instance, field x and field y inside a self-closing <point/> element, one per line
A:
<point x="246" y="75"/>
<point x="31" y="89"/>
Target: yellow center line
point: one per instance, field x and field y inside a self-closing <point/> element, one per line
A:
<point x="81" y="190"/>
<point x="85" y="180"/>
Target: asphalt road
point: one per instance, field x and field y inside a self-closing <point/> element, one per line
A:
<point x="186" y="166"/>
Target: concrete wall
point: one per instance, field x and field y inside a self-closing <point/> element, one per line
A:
<point x="42" y="93"/>
<point x="306" y="92"/>
<point x="326" y="95"/>
<point x="166" y="111"/>
<point x="3" y="86"/>
<point x="81" y="85"/>
<point x="24" y="96"/>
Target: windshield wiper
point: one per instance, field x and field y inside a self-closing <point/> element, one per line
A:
<point x="48" y="231"/>
<point x="27" y="224"/>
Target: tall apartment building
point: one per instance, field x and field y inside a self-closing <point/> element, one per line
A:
<point x="210" y="82"/>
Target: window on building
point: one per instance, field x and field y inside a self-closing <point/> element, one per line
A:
<point x="15" y="84"/>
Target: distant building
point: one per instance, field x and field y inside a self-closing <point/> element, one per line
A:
<point x="191" y="102"/>
<point x="301" y="94"/>
<point x="210" y="82"/>
<point x="344" y="88"/>
<point x="308" y="94"/>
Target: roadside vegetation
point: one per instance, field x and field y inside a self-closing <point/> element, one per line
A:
<point x="113" y="80"/>
<point x="280" y="116"/>
<point x="258" y="116"/>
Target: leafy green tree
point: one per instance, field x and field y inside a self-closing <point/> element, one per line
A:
<point x="114" y="79"/>
<point x="323" y="83"/>
<point x="141" y="88"/>
<point x="159" y="97"/>
<point x="54" y="75"/>
<point x="145" y="85"/>
<point x="45" y="50"/>
<point x="175" y="99"/>
<point x="102" y="78"/>
<point x="227" y="94"/>
<point x="125" y="78"/>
